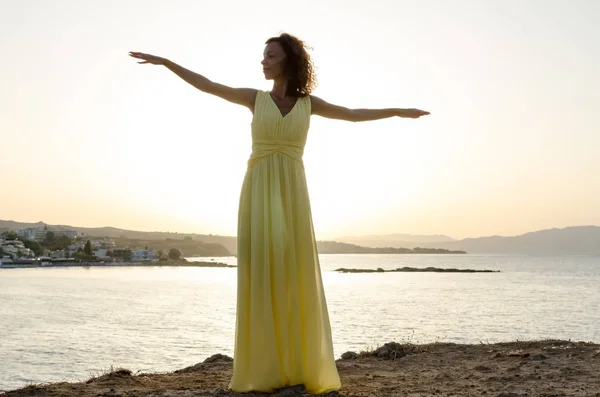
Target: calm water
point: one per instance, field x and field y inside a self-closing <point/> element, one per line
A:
<point x="70" y="323"/>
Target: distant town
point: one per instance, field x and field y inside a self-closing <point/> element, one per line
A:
<point x="43" y="245"/>
<point x="46" y="247"/>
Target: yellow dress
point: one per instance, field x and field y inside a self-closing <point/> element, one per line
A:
<point x="283" y="334"/>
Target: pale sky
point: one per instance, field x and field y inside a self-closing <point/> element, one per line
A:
<point x="91" y="138"/>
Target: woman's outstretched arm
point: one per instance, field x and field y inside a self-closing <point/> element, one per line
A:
<point x="330" y="111"/>
<point x="240" y="96"/>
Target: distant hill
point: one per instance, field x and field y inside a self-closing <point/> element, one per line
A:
<point x="394" y="240"/>
<point x="209" y="248"/>
<point x="188" y="246"/>
<point x="575" y="240"/>
<point x="335" y="247"/>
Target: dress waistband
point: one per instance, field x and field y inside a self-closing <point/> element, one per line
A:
<point x="263" y="148"/>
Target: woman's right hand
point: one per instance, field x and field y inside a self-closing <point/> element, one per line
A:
<point x="147" y="58"/>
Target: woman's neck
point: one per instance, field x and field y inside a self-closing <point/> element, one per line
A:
<point x="279" y="88"/>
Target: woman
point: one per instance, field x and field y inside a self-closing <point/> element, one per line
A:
<point x="283" y="334"/>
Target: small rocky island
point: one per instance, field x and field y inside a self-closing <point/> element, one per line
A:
<point x="415" y="270"/>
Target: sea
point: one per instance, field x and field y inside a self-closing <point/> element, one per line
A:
<point x="68" y="324"/>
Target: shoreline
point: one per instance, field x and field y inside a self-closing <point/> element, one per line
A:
<point x="170" y="263"/>
<point x="214" y="264"/>
<point x="521" y="368"/>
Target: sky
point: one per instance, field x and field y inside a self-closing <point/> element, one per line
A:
<point x="88" y="137"/>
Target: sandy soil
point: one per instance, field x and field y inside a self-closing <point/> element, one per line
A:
<point x="535" y="368"/>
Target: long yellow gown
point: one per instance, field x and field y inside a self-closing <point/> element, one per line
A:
<point x="283" y="334"/>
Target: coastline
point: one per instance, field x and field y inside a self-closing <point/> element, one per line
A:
<point x="521" y="368"/>
<point x="115" y="264"/>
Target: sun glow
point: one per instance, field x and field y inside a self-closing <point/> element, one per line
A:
<point x="111" y="142"/>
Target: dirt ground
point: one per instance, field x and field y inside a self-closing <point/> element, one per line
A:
<point x="537" y="368"/>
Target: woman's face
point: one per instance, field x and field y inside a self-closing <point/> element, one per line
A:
<point x="273" y="61"/>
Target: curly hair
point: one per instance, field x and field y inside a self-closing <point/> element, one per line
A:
<point x="299" y="66"/>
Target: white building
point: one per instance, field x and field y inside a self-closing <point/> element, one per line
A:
<point x="16" y="249"/>
<point x="102" y="254"/>
<point x="143" y="254"/>
<point x="58" y="254"/>
<point x="96" y="244"/>
<point x="104" y="243"/>
<point x="32" y="234"/>
<point x="76" y="246"/>
<point x="69" y="233"/>
<point x="109" y="243"/>
<point x="39" y="234"/>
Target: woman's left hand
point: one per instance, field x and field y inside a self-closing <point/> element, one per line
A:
<point x="412" y="113"/>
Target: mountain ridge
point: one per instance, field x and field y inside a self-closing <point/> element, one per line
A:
<point x="583" y="240"/>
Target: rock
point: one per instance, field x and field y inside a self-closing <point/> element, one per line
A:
<point x="382" y="352"/>
<point x="219" y="391"/>
<point x="482" y="368"/>
<point x="390" y="351"/>
<point x="218" y="357"/>
<point x="292" y="391"/>
<point x="119" y="374"/>
<point x="538" y="357"/>
<point x="349" y="356"/>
